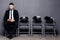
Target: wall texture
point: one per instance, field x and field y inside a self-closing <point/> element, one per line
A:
<point x="33" y="7"/>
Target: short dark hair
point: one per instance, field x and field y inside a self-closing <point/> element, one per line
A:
<point x="11" y="3"/>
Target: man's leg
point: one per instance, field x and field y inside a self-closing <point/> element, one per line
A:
<point x="13" y="29"/>
<point x="8" y="28"/>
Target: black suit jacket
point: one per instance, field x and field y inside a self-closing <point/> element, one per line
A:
<point x="6" y="16"/>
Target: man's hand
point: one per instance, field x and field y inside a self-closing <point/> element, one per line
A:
<point x="8" y="19"/>
<point x="11" y="20"/>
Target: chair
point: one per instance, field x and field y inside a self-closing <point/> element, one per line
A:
<point x="49" y="25"/>
<point x="24" y="26"/>
<point x="36" y="25"/>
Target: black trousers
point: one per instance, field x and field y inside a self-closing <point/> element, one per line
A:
<point x="11" y="27"/>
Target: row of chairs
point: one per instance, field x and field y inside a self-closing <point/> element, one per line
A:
<point x="36" y="25"/>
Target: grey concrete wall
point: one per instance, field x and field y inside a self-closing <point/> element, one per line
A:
<point x="33" y="7"/>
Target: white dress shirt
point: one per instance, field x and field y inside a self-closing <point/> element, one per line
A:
<point x="11" y="16"/>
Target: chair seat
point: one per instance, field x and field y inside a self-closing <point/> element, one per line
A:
<point x="24" y="27"/>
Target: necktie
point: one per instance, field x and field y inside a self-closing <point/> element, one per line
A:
<point x="12" y="15"/>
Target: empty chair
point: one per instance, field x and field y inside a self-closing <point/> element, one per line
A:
<point x="36" y="25"/>
<point x="24" y="26"/>
<point x="49" y="25"/>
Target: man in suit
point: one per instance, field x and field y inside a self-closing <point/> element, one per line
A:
<point x="11" y="18"/>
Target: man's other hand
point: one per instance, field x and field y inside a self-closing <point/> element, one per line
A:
<point x="11" y="20"/>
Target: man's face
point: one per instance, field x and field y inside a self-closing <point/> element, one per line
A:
<point x="11" y="7"/>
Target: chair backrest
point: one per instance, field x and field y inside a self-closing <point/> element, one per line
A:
<point x="37" y="19"/>
<point x="48" y="19"/>
<point x="24" y="19"/>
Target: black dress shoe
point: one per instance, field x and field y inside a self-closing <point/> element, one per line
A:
<point x="10" y="37"/>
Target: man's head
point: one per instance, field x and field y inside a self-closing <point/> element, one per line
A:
<point x="11" y="6"/>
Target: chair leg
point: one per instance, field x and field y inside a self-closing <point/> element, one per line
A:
<point x="42" y="32"/>
<point x="44" y="29"/>
<point x="54" y="32"/>
<point x="18" y="32"/>
<point x="5" y="33"/>
<point x="31" y="31"/>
